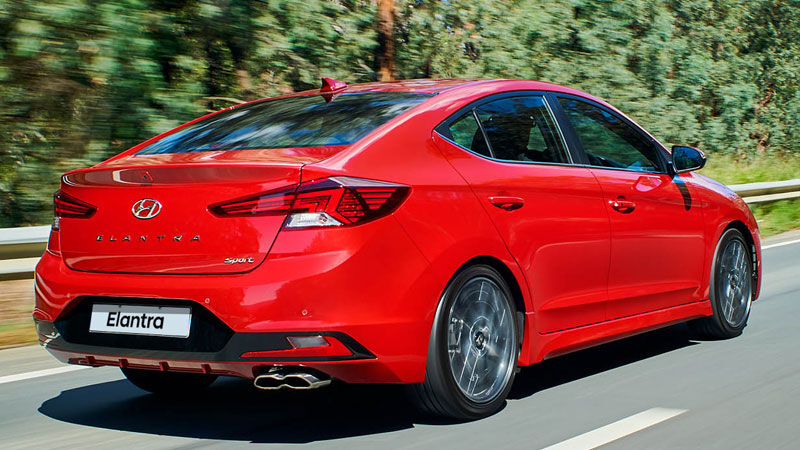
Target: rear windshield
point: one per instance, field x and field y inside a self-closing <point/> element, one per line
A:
<point x="307" y="121"/>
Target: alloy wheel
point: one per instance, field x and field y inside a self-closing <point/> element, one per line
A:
<point x="734" y="283"/>
<point x="480" y="340"/>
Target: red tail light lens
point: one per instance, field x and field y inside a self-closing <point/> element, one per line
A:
<point x="66" y="205"/>
<point x="336" y="201"/>
<point x="347" y="200"/>
<point x="273" y="202"/>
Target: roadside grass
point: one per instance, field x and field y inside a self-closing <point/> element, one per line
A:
<point x="773" y="218"/>
<point x="16" y="305"/>
<point x="777" y="217"/>
<point x="730" y="169"/>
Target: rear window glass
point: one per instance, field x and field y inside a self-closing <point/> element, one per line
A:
<point x="307" y="121"/>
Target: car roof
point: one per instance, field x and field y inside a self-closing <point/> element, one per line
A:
<point x="434" y="86"/>
<point x="426" y="86"/>
<point x="437" y="86"/>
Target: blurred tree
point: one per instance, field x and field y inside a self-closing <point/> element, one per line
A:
<point x="772" y="29"/>
<point x="81" y="80"/>
<point x="385" y="57"/>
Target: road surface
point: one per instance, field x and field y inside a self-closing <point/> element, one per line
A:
<point x="658" y="390"/>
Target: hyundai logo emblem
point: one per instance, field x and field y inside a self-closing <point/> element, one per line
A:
<point x="146" y="208"/>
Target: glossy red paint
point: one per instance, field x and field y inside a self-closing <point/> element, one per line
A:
<point x="568" y="268"/>
<point x="583" y="272"/>
<point x="183" y="237"/>
<point x="660" y="236"/>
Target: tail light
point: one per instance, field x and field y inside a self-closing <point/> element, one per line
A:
<point x="269" y="203"/>
<point x="335" y="201"/>
<point x="66" y="205"/>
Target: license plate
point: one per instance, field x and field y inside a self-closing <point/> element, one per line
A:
<point x="168" y="321"/>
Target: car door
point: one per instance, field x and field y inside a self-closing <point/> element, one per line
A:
<point x="657" y="243"/>
<point x="549" y="212"/>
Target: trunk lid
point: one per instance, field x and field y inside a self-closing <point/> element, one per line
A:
<point x="178" y="235"/>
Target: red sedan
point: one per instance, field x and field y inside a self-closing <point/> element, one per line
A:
<point x="432" y="233"/>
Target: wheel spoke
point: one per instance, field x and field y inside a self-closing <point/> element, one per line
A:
<point x="728" y="304"/>
<point x="739" y="258"/>
<point x="472" y="376"/>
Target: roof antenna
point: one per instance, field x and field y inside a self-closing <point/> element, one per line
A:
<point x="329" y="86"/>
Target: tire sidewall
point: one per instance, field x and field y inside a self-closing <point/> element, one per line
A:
<point x="439" y="373"/>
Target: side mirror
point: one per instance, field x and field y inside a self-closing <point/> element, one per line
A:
<point x="686" y="159"/>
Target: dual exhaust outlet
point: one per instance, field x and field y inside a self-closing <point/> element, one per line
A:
<point x="273" y="381"/>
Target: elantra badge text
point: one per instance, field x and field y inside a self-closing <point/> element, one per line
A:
<point x="146" y="208"/>
<point x="143" y="238"/>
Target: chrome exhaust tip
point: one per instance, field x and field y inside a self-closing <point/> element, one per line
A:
<point x="290" y="380"/>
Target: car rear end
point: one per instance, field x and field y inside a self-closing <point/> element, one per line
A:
<point x="210" y="251"/>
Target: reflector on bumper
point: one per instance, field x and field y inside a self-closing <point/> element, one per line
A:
<point x="305" y="346"/>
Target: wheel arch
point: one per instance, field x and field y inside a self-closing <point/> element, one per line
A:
<point x="505" y="272"/>
<point x="523" y="312"/>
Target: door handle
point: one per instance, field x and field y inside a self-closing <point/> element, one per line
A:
<point x="622" y="205"/>
<point x="507" y="203"/>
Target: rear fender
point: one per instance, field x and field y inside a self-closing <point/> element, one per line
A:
<point x="441" y="215"/>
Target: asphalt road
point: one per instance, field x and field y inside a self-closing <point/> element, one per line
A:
<point x="741" y="393"/>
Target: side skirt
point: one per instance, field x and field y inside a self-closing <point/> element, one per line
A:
<point x="549" y="345"/>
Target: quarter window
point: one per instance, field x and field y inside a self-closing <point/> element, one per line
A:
<point x="466" y="133"/>
<point x="608" y="141"/>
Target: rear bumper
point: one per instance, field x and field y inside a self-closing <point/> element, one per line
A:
<point x="350" y="371"/>
<point x="244" y="355"/>
<point x="368" y="287"/>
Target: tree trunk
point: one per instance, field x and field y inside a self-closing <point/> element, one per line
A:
<point x="385" y="40"/>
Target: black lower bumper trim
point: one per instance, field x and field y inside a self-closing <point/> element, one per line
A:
<point x="237" y="344"/>
<point x="209" y="338"/>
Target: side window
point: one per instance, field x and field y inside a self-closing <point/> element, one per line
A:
<point x="466" y="133"/>
<point x="608" y="141"/>
<point x="521" y="129"/>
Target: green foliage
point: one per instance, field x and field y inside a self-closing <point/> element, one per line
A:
<point x="777" y="217"/>
<point x="81" y="80"/>
<point x="733" y="169"/>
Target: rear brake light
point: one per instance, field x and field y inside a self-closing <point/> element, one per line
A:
<point x="269" y="203"/>
<point x="66" y="205"/>
<point x="341" y="201"/>
<point x="336" y="201"/>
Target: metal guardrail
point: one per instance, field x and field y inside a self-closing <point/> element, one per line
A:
<point x="768" y="191"/>
<point x="23" y="242"/>
<point x="20" y="248"/>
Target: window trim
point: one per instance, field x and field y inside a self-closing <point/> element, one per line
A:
<point x="443" y="128"/>
<point x="660" y="149"/>
<point x="483" y="133"/>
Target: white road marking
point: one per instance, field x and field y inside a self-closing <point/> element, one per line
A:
<point x="781" y="244"/>
<point x="39" y="373"/>
<point x="618" y="429"/>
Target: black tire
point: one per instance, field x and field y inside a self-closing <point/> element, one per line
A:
<point x="440" y="394"/>
<point x="721" y="324"/>
<point x="168" y="383"/>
